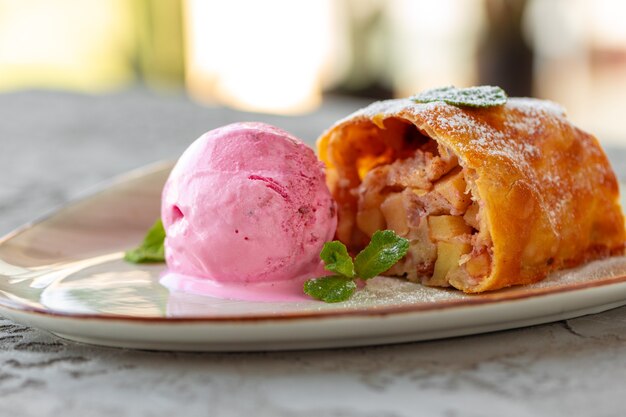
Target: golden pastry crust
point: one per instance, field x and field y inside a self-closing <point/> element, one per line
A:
<point x="548" y="197"/>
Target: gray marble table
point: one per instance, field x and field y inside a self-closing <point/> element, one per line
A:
<point x="53" y="146"/>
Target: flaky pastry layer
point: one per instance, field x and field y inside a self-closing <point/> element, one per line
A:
<point x="489" y="197"/>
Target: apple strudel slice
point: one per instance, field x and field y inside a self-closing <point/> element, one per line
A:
<point x="488" y="197"/>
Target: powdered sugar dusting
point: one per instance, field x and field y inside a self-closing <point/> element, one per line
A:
<point x="507" y="136"/>
<point x="388" y="108"/>
<point x="455" y="121"/>
<point x="382" y="293"/>
<point x="533" y="106"/>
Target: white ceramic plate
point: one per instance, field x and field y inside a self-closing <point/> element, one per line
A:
<point x="65" y="274"/>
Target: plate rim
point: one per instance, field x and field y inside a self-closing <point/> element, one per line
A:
<point x="89" y="192"/>
<point x="324" y="333"/>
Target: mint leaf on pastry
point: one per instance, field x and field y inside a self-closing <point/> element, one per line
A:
<point x="482" y="96"/>
<point x="151" y="249"/>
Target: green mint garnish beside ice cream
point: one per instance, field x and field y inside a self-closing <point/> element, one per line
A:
<point x="331" y="289"/>
<point x="384" y="250"/>
<point x="151" y="249"/>
<point x="482" y="96"/>
<point x="336" y="259"/>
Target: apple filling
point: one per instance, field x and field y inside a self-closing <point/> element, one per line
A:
<point x="430" y="199"/>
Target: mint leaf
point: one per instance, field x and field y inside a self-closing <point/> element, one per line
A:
<point x="331" y="289"/>
<point x="384" y="250"/>
<point x="336" y="258"/>
<point x="151" y="249"/>
<point x="482" y="96"/>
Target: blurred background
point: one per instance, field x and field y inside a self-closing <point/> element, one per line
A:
<point x="288" y="57"/>
<point x="90" y="89"/>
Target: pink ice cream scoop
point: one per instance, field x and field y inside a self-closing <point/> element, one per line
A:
<point x="247" y="203"/>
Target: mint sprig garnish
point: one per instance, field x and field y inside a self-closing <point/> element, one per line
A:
<point x="384" y="250"/>
<point x="482" y="96"/>
<point x="151" y="249"/>
<point x="331" y="289"/>
<point x="336" y="259"/>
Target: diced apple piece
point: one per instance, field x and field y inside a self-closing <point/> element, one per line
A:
<point x="452" y="187"/>
<point x="446" y="228"/>
<point x="448" y="258"/>
<point x="371" y="198"/>
<point x="419" y="192"/>
<point x="395" y="214"/>
<point x="422" y="251"/>
<point x="479" y="266"/>
<point x="370" y="220"/>
<point x="471" y="216"/>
